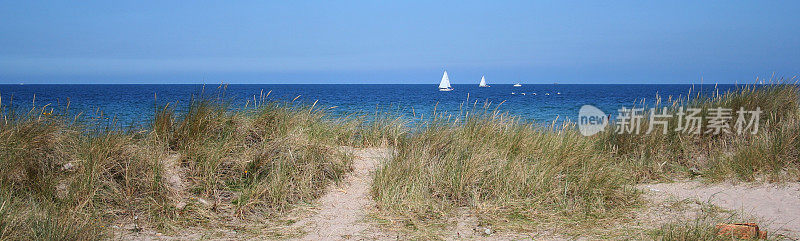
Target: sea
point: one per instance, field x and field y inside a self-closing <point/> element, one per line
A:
<point x="135" y="105"/>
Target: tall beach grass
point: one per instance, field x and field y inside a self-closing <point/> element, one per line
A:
<point x="504" y="170"/>
<point x="770" y="154"/>
<point x="65" y="178"/>
<point x="523" y="176"/>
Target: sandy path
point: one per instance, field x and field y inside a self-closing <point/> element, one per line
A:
<point x="342" y="211"/>
<point x="341" y="215"/>
<point x="777" y="205"/>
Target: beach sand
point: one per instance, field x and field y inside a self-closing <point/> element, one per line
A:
<point x="776" y="206"/>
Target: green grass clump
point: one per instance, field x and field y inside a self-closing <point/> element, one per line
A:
<point x="28" y="218"/>
<point x="503" y="169"/>
<point x="63" y="177"/>
<point x="59" y="182"/>
<point x="269" y="159"/>
<point x="521" y="176"/>
<point x="68" y="178"/>
<point x="772" y="153"/>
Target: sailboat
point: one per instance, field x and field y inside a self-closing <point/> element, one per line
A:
<point x="483" y="82"/>
<point x="445" y="84"/>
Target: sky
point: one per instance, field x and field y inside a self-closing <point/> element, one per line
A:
<point x="397" y="42"/>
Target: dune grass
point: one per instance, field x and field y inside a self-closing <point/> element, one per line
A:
<point x="525" y="177"/>
<point x="62" y="178"/>
<point x="507" y="171"/>
<point x="770" y="154"/>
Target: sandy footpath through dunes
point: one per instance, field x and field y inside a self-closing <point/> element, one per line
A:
<point x="341" y="214"/>
<point x="776" y="205"/>
<point x="342" y="211"/>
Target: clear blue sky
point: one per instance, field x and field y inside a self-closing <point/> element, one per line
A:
<point x="397" y="42"/>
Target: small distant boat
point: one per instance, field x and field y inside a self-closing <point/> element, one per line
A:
<point x="523" y="93"/>
<point x="546" y="93"/>
<point x="513" y="93"/>
<point x="558" y="93"/>
<point x="483" y="82"/>
<point x="444" y="85"/>
<point x="517" y="85"/>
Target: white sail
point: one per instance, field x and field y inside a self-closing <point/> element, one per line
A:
<point x="483" y="82"/>
<point x="445" y="84"/>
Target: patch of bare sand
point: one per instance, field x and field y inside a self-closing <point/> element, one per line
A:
<point x="342" y="213"/>
<point x="776" y="205"/>
<point x="469" y="228"/>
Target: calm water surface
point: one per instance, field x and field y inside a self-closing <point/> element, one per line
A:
<point x="132" y="104"/>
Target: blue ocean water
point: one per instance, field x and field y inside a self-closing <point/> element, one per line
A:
<point x="132" y="104"/>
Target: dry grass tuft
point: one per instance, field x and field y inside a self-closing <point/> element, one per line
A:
<point x="64" y="178"/>
<point x="512" y="174"/>
<point x="526" y="177"/>
<point x="771" y="154"/>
